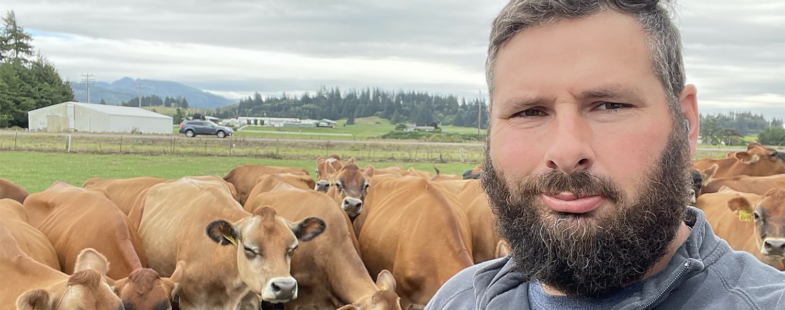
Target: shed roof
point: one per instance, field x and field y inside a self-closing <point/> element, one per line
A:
<point x="118" y="110"/>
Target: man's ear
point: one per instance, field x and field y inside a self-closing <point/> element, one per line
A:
<point x="688" y="100"/>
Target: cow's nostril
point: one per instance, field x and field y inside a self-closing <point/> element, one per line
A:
<point x="276" y="288"/>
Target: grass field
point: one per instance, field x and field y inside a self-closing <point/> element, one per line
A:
<point x="36" y="171"/>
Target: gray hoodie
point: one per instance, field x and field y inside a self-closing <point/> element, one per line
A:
<point x="705" y="273"/>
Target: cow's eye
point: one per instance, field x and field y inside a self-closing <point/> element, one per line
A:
<point x="250" y="252"/>
<point x="756" y="215"/>
<point x="367" y="186"/>
<point x="337" y="186"/>
<point x="290" y="251"/>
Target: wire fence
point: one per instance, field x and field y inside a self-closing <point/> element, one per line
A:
<point x="402" y="151"/>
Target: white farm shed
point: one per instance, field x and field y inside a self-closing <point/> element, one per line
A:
<point x="91" y="117"/>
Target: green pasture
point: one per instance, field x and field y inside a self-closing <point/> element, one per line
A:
<point x="36" y="171"/>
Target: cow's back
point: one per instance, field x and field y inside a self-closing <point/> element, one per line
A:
<point x="75" y="218"/>
<point x="244" y="177"/>
<point x="30" y="240"/>
<point x="12" y="191"/>
<point x="175" y="215"/>
<point x="415" y="229"/>
<point x="745" y="184"/>
<point x="123" y="192"/>
<point x="485" y="239"/>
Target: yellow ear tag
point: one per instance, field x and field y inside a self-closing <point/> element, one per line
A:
<point x="384" y="287"/>
<point x="231" y="239"/>
<point x="745" y="216"/>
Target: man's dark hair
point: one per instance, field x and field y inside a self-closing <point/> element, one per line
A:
<point x="653" y="16"/>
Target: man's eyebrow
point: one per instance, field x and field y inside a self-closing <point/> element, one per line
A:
<point x="523" y="102"/>
<point x="618" y="93"/>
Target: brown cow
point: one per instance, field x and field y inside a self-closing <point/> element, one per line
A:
<point x="330" y="272"/>
<point x="242" y="254"/>
<point x="423" y="174"/>
<point x="748" y="222"/>
<point x="123" y="192"/>
<point x="372" y="171"/>
<point x="745" y="184"/>
<point x="758" y="160"/>
<point x="145" y="289"/>
<point x="26" y="284"/>
<point x="12" y="191"/>
<point x="350" y="185"/>
<point x="326" y="168"/>
<point x="485" y="239"/>
<point x="444" y="177"/>
<point x="267" y="183"/>
<point x="31" y="241"/>
<point x="74" y="218"/>
<point x="473" y="173"/>
<point x="244" y="177"/>
<point x="414" y="228"/>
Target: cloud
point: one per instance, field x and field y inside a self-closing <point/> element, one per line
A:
<point x="733" y="50"/>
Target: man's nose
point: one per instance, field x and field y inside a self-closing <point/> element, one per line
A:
<point x="570" y="149"/>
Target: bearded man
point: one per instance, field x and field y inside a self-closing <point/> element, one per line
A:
<point x="587" y="170"/>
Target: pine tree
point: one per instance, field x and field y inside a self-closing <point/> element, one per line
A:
<point x="15" y="43"/>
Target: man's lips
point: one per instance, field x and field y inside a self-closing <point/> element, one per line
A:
<point x="570" y="203"/>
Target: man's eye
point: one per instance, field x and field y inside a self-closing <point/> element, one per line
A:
<point x="610" y="106"/>
<point x="530" y="113"/>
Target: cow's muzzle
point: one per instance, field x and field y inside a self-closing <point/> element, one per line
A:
<point x="280" y="290"/>
<point x="322" y="186"/>
<point x="352" y="206"/>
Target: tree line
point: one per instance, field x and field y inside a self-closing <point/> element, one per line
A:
<point x="155" y="101"/>
<point x="420" y="108"/>
<point x="28" y="81"/>
<point x="733" y="127"/>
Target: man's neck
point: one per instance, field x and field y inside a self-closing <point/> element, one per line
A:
<point x="681" y="236"/>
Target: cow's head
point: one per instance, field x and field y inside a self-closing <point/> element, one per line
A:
<point x="384" y="298"/>
<point x="473" y="173"/>
<point x="145" y="289"/>
<point x="85" y="289"/>
<point x="265" y="243"/>
<point x="351" y="186"/>
<point x="761" y="160"/>
<point x="326" y="168"/>
<point x="768" y="217"/>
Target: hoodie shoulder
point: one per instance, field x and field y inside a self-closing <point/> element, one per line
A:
<point x="459" y="292"/>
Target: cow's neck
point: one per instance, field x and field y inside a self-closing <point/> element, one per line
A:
<point x="27" y="274"/>
<point x="348" y="276"/>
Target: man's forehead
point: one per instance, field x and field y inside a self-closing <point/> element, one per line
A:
<point x="605" y="55"/>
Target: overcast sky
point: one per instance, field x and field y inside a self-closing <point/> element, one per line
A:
<point x="734" y="50"/>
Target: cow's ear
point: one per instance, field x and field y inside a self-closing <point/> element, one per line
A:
<point x="502" y="249"/>
<point x="308" y="228"/>
<point x="118" y="286"/>
<point x="350" y="161"/>
<point x="368" y="171"/>
<point x="740" y="204"/>
<point x="349" y="307"/>
<point x="385" y="281"/>
<point x="746" y="157"/>
<point x="174" y="281"/>
<point x="33" y="300"/>
<point x="89" y="258"/>
<point x="222" y="232"/>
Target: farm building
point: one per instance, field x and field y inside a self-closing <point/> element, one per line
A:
<point x="87" y="117"/>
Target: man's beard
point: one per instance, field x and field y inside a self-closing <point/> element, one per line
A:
<point x="592" y="254"/>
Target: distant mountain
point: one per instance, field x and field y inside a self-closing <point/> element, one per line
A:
<point x="125" y="89"/>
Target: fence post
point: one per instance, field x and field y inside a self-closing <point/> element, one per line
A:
<point x="461" y="149"/>
<point x="68" y="144"/>
<point x="173" y="140"/>
<point x="205" y="146"/>
<point x="15" y="137"/>
<point x="121" y="144"/>
<point x="231" y="144"/>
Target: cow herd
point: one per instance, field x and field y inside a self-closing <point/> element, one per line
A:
<point x="261" y="236"/>
<point x="275" y="237"/>
<point x="743" y="198"/>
